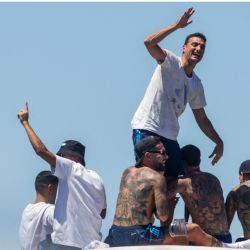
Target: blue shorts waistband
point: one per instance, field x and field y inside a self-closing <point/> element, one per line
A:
<point x="130" y="227"/>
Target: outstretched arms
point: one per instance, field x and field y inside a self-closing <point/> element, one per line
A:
<point x="35" y="141"/>
<point x="151" y="42"/>
<point x="206" y="126"/>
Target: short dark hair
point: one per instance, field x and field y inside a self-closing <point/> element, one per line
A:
<point x="197" y="34"/>
<point x="191" y="155"/>
<point x="43" y="179"/>
<point x="245" y="167"/>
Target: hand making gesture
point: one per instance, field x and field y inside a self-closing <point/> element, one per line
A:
<point x="23" y="114"/>
<point x="184" y="20"/>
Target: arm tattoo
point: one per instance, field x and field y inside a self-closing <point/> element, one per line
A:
<point x="215" y="243"/>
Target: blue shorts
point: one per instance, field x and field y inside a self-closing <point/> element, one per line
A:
<point x="227" y="238"/>
<point x="173" y="166"/>
<point x="135" y="236"/>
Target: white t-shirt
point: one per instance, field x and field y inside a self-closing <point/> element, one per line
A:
<point x="166" y="97"/>
<point x="80" y="199"/>
<point x="36" y="224"/>
<point x="242" y="244"/>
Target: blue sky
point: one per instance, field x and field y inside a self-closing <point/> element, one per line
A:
<point x="83" y="68"/>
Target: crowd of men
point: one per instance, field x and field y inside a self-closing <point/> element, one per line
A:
<point x="70" y="201"/>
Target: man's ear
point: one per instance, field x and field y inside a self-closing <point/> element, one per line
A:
<point x="50" y="188"/>
<point x="183" y="48"/>
<point x="147" y="156"/>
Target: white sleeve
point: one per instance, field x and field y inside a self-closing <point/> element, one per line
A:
<point x="170" y="60"/>
<point x="104" y="198"/>
<point x="63" y="167"/>
<point x="199" y="100"/>
<point x="48" y="217"/>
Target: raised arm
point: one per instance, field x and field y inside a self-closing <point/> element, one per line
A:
<point x="230" y="207"/>
<point x="35" y="141"/>
<point x="207" y="128"/>
<point x="151" y="42"/>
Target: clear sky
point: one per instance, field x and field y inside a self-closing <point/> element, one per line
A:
<point x="83" y="68"/>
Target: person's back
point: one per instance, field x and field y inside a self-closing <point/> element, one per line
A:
<point x="37" y="218"/>
<point x="203" y="196"/>
<point x="142" y="195"/>
<point x="241" y="202"/>
<point x="204" y="200"/>
<point x="79" y="204"/>
<point x="238" y="199"/>
<point x="136" y="199"/>
<point x="36" y="224"/>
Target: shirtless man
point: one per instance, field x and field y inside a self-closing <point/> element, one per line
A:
<point x="203" y="196"/>
<point x="143" y="195"/>
<point x="238" y="199"/>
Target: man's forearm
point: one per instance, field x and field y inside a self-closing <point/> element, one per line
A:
<point x="206" y="126"/>
<point x="158" y="36"/>
<point x="35" y="141"/>
<point x="208" y="129"/>
<point x="38" y="145"/>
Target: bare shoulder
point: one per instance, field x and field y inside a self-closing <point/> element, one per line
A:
<point x="245" y="184"/>
<point x="127" y="172"/>
<point x="243" y="192"/>
<point x="209" y="176"/>
<point x="206" y="179"/>
<point x="234" y="189"/>
<point x="240" y="189"/>
<point x="150" y="173"/>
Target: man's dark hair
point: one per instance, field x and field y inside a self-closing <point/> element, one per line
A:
<point x="191" y="155"/>
<point x="245" y="167"/>
<point x="43" y="179"/>
<point x="197" y="34"/>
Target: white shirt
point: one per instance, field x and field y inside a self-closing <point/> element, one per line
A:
<point x="36" y="224"/>
<point x="79" y="202"/>
<point x="166" y="97"/>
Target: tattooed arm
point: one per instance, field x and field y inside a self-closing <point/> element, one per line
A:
<point x="230" y="206"/>
<point x="161" y="203"/>
<point x="176" y="186"/>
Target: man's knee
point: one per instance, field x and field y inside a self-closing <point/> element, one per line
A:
<point x="193" y="230"/>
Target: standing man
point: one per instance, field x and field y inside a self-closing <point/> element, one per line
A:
<point x="81" y="201"/>
<point x="37" y="219"/>
<point x="173" y="85"/>
<point x="238" y="200"/>
<point x="203" y="196"/>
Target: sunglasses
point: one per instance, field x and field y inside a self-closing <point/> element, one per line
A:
<point x="163" y="152"/>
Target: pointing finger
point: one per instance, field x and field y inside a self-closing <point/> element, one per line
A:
<point x="27" y="107"/>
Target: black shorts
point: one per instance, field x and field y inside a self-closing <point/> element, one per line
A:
<point x="173" y="165"/>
